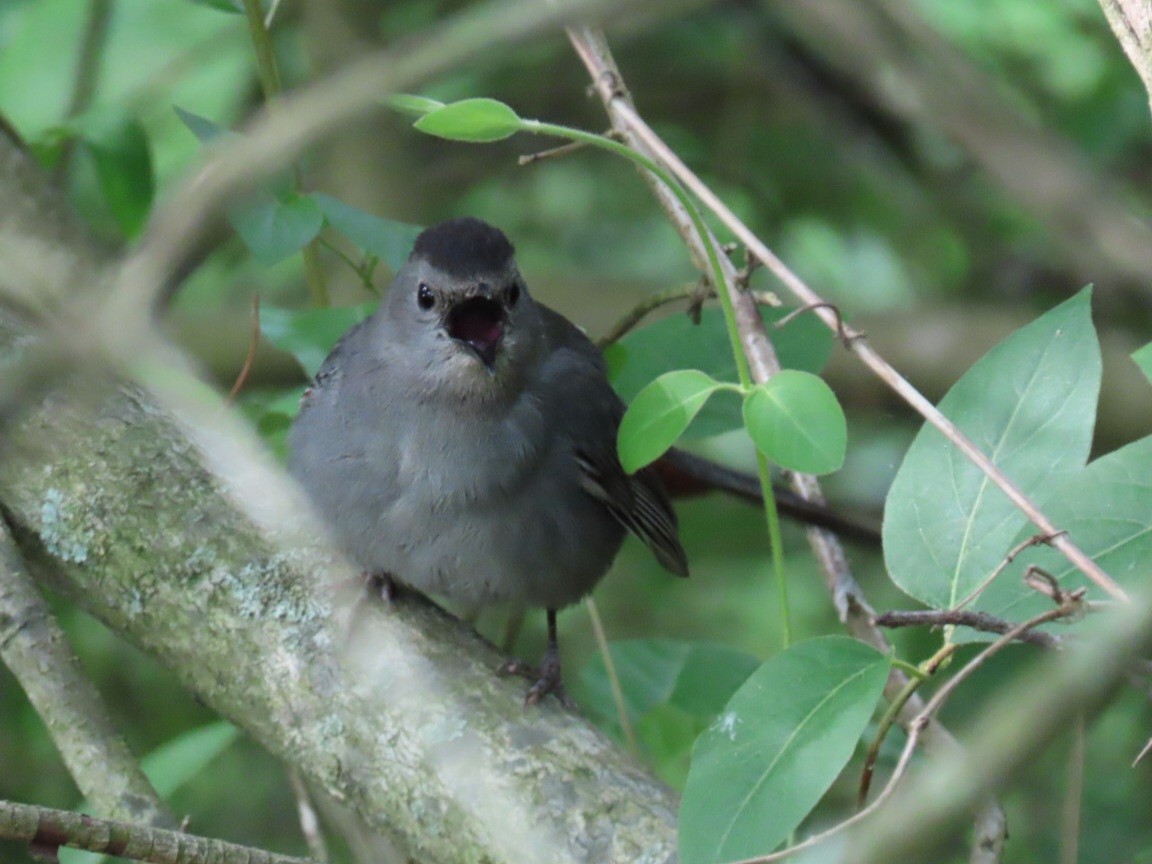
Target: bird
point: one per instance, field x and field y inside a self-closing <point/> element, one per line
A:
<point x="461" y="441"/>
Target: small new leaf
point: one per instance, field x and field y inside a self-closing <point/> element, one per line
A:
<point x="477" y="120"/>
<point x="417" y="106"/>
<point x="795" y="420"/>
<point x="659" y="415"/>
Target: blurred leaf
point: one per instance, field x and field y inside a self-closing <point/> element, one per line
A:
<point x="121" y="156"/>
<point x="480" y="121"/>
<point x="667" y="734"/>
<point x="169" y="767"/>
<point x="271" y="412"/>
<point x="310" y="334"/>
<point x="1029" y="404"/>
<point x="416" y="106"/>
<point x="49" y="145"/>
<point x="795" y="420"/>
<point x="762" y="766"/>
<point x="173" y="764"/>
<point x="273" y="229"/>
<point x="696" y="677"/>
<point x="388" y="240"/>
<point x="676" y="343"/>
<point x="659" y="414"/>
<point x="223" y="5"/>
<point x="1143" y="359"/>
<point x="203" y="128"/>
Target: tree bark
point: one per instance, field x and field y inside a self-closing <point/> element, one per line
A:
<point x="222" y="576"/>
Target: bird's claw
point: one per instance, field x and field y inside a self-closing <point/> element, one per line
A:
<point x="546" y="679"/>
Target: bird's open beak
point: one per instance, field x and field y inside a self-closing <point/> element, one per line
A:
<point x="478" y="322"/>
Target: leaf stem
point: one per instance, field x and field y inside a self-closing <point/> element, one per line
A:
<point x="718" y="280"/>
<point x="717" y="274"/>
<point x="272" y="86"/>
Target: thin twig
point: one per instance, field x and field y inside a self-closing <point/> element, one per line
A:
<point x="928" y="668"/>
<point x="850" y="602"/>
<point x="860" y="347"/>
<point x="981" y="621"/>
<point x="309" y="821"/>
<point x="50" y="829"/>
<point x="551" y="153"/>
<point x="1034" y="540"/>
<point x="35" y="649"/>
<point x="642" y="309"/>
<point x="87" y="74"/>
<point x="613" y="676"/>
<point x="253" y="343"/>
<point x="272" y="85"/>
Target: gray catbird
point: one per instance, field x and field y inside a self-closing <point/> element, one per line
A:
<point x="462" y="441"/>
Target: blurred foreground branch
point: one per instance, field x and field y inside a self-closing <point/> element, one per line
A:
<point x="180" y="535"/>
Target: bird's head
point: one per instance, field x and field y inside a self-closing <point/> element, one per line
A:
<point x="460" y="312"/>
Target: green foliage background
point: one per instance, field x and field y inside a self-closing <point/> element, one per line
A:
<point x="903" y="227"/>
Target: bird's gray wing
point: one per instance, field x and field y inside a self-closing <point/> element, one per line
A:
<point x="590" y="412"/>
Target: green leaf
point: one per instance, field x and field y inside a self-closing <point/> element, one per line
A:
<point x="234" y="6"/>
<point x="388" y="240"/>
<point x="120" y="154"/>
<point x="273" y="229"/>
<point x="175" y="763"/>
<point x="478" y="120"/>
<point x="169" y="767"/>
<point x="696" y="677"/>
<point x="659" y="414"/>
<point x="643" y="355"/>
<point x="1029" y="404"/>
<point x="766" y="761"/>
<point x="795" y="420"/>
<point x="417" y="106"/>
<point x="1106" y="508"/>
<point x="203" y="128"/>
<point x="1143" y="359"/>
<point x="309" y="335"/>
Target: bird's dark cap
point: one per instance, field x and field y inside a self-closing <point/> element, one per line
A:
<point x="464" y="246"/>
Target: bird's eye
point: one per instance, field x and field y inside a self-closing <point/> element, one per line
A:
<point x="513" y="293"/>
<point x="425" y="299"/>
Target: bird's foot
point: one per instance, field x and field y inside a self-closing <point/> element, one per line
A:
<point x="381" y="584"/>
<point x="545" y="679"/>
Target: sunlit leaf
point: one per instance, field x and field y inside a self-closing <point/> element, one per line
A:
<point x="417" y="106"/>
<point x="795" y="420"/>
<point x="660" y="413"/>
<point x="675" y="342"/>
<point x="476" y="120"/>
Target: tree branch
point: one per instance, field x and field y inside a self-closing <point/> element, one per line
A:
<point x="1131" y="21"/>
<point x="849" y="600"/>
<point x="34" y="648"/>
<point x="47" y="829"/>
<point x="180" y="535"/>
